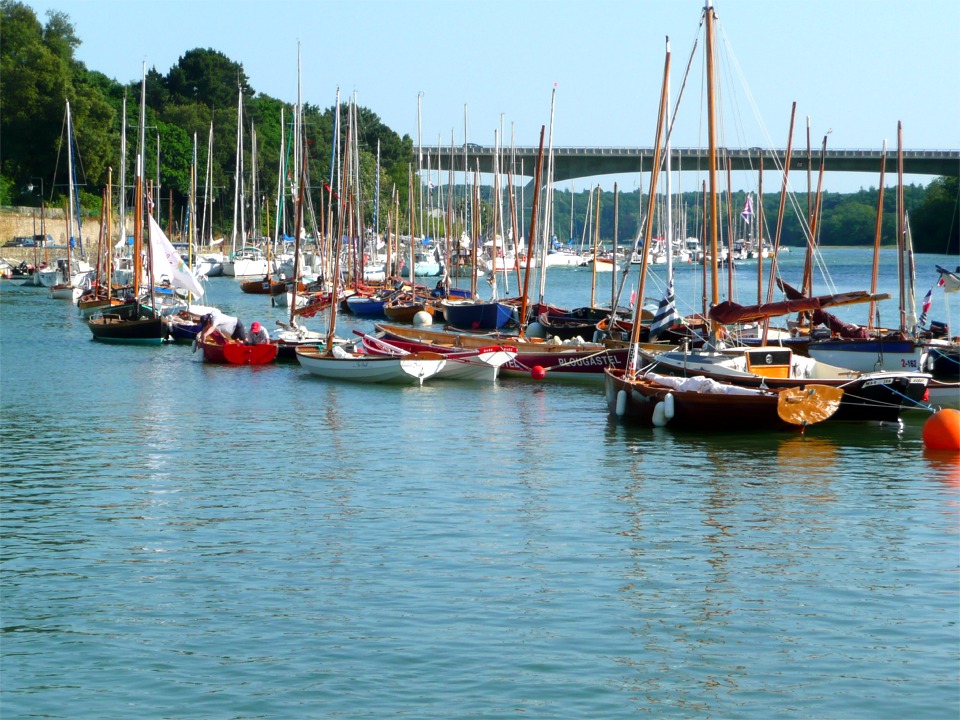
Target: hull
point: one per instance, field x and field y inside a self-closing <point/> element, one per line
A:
<point x="406" y="313"/>
<point x="482" y="364"/>
<point x="636" y="401"/>
<point x="413" y="369"/>
<point x="65" y="292"/>
<point x="114" y="329"/>
<point x="256" y="287"/>
<point x="477" y="315"/>
<point x="365" y="306"/>
<point x="869" y="355"/>
<point x="238" y="354"/>
<point x="877" y="397"/>
<point x="559" y="362"/>
<point x="49" y="277"/>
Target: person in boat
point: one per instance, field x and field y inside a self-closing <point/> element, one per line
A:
<point x="219" y="328"/>
<point x="258" y="335"/>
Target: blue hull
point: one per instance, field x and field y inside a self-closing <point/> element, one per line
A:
<point x="478" y="316"/>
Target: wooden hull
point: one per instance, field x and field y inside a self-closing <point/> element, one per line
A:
<point x="406" y="313"/>
<point x="477" y="315"/>
<point x="234" y="353"/>
<point x="114" y="329"/>
<point x="256" y="287"/>
<point x="482" y="364"/>
<point x="636" y="401"/>
<point x="879" y="397"/>
<point x="559" y="362"/>
<point x="410" y="370"/>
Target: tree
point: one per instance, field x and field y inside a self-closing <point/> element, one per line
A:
<point x="935" y="223"/>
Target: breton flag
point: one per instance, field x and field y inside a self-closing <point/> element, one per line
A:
<point x="747" y="212"/>
<point x="166" y="259"/>
<point x="925" y="307"/>
<point x="666" y="315"/>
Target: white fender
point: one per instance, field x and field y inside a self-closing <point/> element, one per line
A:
<point x="659" y="416"/>
<point x="621" y="403"/>
<point x="668" y="406"/>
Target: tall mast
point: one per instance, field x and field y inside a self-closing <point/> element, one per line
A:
<point x="901" y="275"/>
<point x="876" y="237"/>
<point x="711" y="163"/>
<point x="548" y="202"/>
<point x="123" y="177"/>
<point x="237" y="171"/>
<point x="70" y="193"/>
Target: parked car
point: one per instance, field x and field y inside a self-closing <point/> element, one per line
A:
<point x="30" y="241"/>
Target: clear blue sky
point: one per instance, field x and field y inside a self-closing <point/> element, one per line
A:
<point x="853" y="67"/>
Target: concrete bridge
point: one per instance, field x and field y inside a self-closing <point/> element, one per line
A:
<point x="577" y="162"/>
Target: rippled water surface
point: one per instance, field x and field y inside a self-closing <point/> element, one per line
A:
<point x="192" y="541"/>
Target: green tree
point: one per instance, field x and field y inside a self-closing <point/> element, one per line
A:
<point x="935" y="223"/>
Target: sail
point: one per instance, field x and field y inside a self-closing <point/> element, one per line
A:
<point x="730" y="313"/>
<point x="949" y="281"/>
<point x="166" y="260"/>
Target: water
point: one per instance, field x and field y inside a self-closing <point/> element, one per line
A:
<point x="194" y="541"/>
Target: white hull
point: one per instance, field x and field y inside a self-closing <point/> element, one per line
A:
<point x="284" y="299"/>
<point x="49" y="277"/>
<point x="245" y="268"/>
<point x="866" y="362"/>
<point x="366" y="368"/>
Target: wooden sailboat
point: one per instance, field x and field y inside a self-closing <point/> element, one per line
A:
<point x="137" y="323"/>
<point x="704" y="404"/>
<point x="335" y="362"/>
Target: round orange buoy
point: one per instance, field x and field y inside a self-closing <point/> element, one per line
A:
<point x="941" y="431"/>
<point x="537" y="372"/>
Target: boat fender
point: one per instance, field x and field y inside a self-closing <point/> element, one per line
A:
<point x="195" y="345"/>
<point x="668" y="406"/>
<point x="659" y="416"/>
<point x="621" y="403"/>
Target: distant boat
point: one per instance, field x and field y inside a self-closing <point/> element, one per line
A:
<point x="477" y="315"/>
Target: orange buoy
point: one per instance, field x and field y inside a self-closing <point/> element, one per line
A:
<point x="941" y="431"/>
<point x="538" y="373"/>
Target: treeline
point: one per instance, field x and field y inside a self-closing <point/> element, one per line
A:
<point x="40" y="73"/>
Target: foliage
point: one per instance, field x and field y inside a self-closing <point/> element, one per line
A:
<point x="202" y="90"/>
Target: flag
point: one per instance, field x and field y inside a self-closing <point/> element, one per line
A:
<point x="949" y="281"/>
<point x="747" y="212"/>
<point x="165" y="258"/>
<point x="925" y="306"/>
<point x="666" y="315"/>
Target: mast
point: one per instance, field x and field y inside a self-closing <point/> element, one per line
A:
<point x="533" y="229"/>
<point x="237" y="169"/>
<point x="108" y="261"/>
<point x="900" y="229"/>
<point x="648" y="225"/>
<point x="711" y="164"/>
<point x="71" y="195"/>
<point x="876" y="238"/>
<point x="208" y="182"/>
<point x="548" y="202"/>
<point x="596" y="252"/>
<point x="780" y="211"/>
<point x="123" y="180"/>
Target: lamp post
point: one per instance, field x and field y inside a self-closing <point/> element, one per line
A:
<point x="43" y="224"/>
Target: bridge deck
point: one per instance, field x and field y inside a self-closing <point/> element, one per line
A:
<point x="576" y="162"/>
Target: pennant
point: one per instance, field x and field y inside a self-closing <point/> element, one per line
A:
<point x="925" y="307"/>
<point x="166" y="259"/>
<point x="747" y="212"/>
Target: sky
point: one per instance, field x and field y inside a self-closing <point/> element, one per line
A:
<point x="430" y="67"/>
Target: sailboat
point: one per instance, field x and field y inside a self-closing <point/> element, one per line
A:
<point x="137" y="323"/>
<point x="638" y="395"/>
<point x="332" y="360"/>
<point x="876" y="349"/>
<point x="71" y="285"/>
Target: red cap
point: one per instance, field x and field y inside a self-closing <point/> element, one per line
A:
<point x="255" y="327"/>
